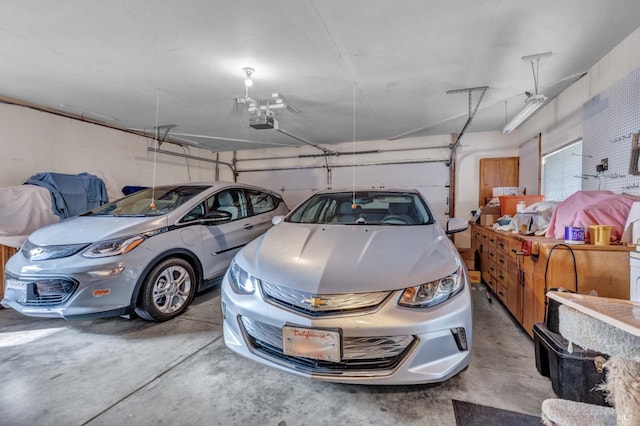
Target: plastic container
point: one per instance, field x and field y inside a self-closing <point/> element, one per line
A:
<point x="509" y="203"/>
<point x="526" y="222"/>
<point x="574" y="375"/>
<point x="573" y="235"/>
<point x="600" y="235"/>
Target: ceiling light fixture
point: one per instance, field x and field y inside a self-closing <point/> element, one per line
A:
<point x="533" y="101"/>
<point x="248" y="81"/>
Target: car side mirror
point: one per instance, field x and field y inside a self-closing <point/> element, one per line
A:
<point x="455" y="225"/>
<point x="217" y="216"/>
<point x="276" y="220"/>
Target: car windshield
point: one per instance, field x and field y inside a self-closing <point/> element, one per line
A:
<point x="149" y="202"/>
<point x="368" y="207"/>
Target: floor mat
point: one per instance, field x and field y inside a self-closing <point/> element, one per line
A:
<point x="469" y="414"/>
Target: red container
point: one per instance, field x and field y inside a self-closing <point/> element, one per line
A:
<point x="508" y="202"/>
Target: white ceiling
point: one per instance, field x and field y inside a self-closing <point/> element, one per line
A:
<point x="141" y="63"/>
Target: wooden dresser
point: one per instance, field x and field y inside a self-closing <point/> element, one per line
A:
<point x="519" y="270"/>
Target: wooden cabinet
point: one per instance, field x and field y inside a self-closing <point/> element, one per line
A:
<point x="496" y="172"/>
<point x="521" y="281"/>
<point x="5" y="253"/>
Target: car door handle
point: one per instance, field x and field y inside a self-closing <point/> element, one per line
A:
<point x="248" y="226"/>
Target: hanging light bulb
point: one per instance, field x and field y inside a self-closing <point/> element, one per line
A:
<point x="248" y="81"/>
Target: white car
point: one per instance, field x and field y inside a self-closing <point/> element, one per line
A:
<point x="147" y="253"/>
<point x="354" y="287"/>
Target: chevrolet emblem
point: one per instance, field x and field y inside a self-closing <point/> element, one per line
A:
<point x="316" y="302"/>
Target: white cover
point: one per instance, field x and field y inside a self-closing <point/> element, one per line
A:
<point x="23" y="209"/>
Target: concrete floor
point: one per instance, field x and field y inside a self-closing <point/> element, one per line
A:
<point x="132" y="372"/>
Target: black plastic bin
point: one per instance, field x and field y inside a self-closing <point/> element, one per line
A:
<point x="574" y="375"/>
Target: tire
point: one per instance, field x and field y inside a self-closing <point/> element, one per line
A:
<point x="167" y="291"/>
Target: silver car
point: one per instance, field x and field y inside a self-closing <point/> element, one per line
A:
<point x="149" y="252"/>
<point x="354" y="287"/>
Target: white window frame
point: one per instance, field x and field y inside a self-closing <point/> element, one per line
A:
<point x="562" y="171"/>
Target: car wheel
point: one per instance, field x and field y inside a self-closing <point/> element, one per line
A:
<point x="167" y="290"/>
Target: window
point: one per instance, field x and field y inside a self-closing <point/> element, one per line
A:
<point x="229" y="200"/>
<point x="562" y="171"/>
<point x="261" y="202"/>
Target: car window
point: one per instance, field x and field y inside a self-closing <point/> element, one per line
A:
<point x="369" y="207"/>
<point x="230" y="200"/>
<point x="261" y="202"/>
<point x="150" y="201"/>
<point x="196" y="213"/>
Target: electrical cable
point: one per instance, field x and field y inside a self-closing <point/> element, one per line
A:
<point x="546" y="270"/>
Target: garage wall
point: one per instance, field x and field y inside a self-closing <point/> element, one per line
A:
<point x="419" y="163"/>
<point x="32" y="141"/>
<point x="430" y="178"/>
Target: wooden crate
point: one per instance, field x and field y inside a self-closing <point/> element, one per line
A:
<point x="5" y="253"/>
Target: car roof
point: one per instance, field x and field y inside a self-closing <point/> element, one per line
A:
<point x="219" y="185"/>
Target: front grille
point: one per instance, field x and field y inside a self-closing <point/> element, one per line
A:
<point x="47" y="292"/>
<point x="360" y="354"/>
<point x="322" y="304"/>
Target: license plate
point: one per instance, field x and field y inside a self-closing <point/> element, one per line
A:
<point x="15" y="290"/>
<point x="312" y="343"/>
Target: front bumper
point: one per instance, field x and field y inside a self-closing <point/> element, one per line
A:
<point x="387" y="345"/>
<point x="72" y="287"/>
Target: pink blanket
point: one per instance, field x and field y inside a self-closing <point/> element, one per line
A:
<point x="586" y="208"/>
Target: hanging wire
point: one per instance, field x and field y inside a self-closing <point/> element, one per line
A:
<point x="505" y="113"/>
<point x="155" y="153"/>
<point x="353" y="152"/>
<point x="186" y="157"/>
<point x="535" y="71"/>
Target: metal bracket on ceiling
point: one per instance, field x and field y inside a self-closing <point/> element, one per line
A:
<point x="166" y="128"/>
<point x="472" y="110"/>
<point x="470" y="90"/>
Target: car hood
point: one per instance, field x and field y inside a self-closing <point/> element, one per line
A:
<point x="329" y="259"/>
<point x="89" y="229"/>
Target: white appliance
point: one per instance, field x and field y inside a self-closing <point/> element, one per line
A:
<point x="634" y="262"/>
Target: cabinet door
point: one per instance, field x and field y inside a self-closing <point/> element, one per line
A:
<point x="496" y="172"/>
<point x="534" y="305"/>
<point x="515" y="290"/>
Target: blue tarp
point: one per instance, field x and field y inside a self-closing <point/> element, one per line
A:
<point x="72" y="194"/>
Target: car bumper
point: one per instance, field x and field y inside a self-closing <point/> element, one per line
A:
<point x="70" y="287"/>
<point x="389" y="345"/>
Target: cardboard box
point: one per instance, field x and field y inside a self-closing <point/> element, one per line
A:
<point x="495" y="210"/>
<point x="474" y="277"/>
<point x="467" y="255"/>
<point x="488" y="219"/>
<point x="508" y="190"/>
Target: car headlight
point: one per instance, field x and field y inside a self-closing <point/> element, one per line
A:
<point x="432" y="293"/>
<point x="113" y="247"/>
<point x="241" y="281"/>
<point x="34" y="252"/>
